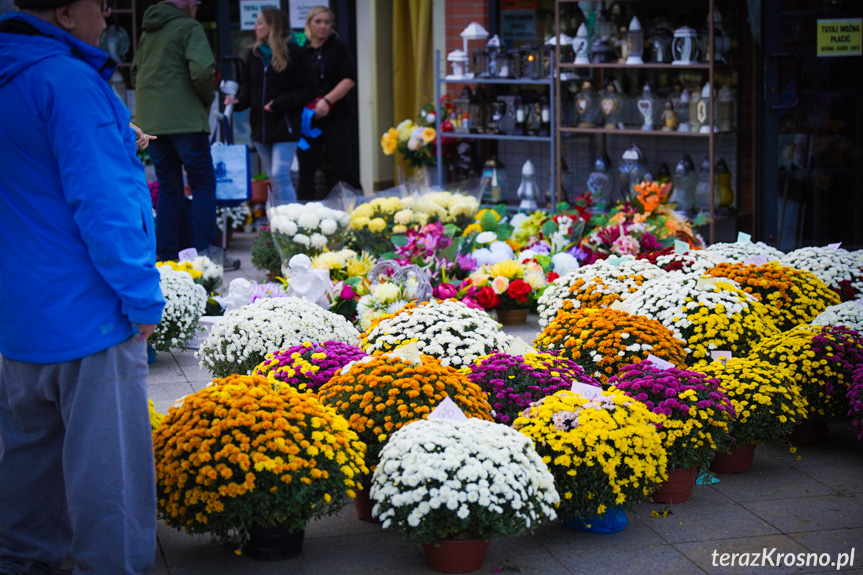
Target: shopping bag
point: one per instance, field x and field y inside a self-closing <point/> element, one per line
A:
<point x="233" y="179"/>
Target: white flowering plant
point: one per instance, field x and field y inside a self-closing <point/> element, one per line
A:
<point x="738" y="252"/>
<point x="840" y="269"/>
<point x="849" y="314"/>
<point x="236" y="216"/>
<point x="184" y="305"/>
<point x="440" y="479"/>
<point x="689" y="262"/>
<point x="448" y="330"/>
<point x="306" y="228"/>
<point x="243" y="337"/>
<point x="596" y="285"/>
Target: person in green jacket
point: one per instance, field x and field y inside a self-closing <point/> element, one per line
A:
<point x="172" y="74"/>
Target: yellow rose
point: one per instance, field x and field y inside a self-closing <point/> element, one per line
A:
<point x="389" y="145"/>
<point x="377" y="225"/>
<point x="428" y="135"/>
<point x="499" y="284"/>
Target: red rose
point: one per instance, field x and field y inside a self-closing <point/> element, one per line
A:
<point x="487" y="298"/>
<point x="518" y="290"/>
<point x="552" y="276"/>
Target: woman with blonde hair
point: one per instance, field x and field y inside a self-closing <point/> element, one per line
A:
<point x="277" y="82"/>
<point x="334" y="71"/>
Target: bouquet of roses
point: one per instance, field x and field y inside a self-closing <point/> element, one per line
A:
<point x="849" y="314"/>
<point x="308" y="366"/>
<point x="184" y="305"/>
<point x="509" y="284"/>
<point x="306" y="228"/>
<point x="840" y="269"/>
<point x="415" y="141"/>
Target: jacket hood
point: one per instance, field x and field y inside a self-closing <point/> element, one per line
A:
<point x="158" y="15"/>
<point x="26" y="40"/>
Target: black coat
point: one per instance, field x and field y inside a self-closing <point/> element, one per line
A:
<point x="290" y="90"/>
<point x="332" y="63"/>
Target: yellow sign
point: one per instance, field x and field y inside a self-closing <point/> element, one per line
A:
<point x="840" y="38"/>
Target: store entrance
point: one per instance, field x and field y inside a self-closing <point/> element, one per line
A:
<point x="812" y="122"/>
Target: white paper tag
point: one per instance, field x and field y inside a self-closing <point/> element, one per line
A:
<point x="858" y="301"/>
<point x="520" y="347"/>
<point x="659" y="362"/>
<point x="760" y="260"/>
<point x="589" y="391"/>
<point x="615" y="260"/>
<point x="447" y="409"/>
<point x="188" y="255"/>
<point x="409" y="352"/>
<point x="706" y="283"/>
<point x="680" y="247"/>
<point x="834" y="247"/>
<point x="620" y="305"/>
<point x="743" y="238"/>
<point x="721" y="355"/>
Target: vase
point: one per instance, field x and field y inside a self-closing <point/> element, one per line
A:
<point x="516" y="316"/>
<point x="456" y="556"/>
<point x="677" y="488"/>
<point x="738" y="459"/>
<point x="363" y="504"/>
<point x="808" y="433"/>
<point x="273" y="543"/>
<point x="612" y="521"/>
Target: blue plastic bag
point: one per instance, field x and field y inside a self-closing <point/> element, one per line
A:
<point x="612" y="521"/>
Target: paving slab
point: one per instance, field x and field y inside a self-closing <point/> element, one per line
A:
<point x="653" y="560"/>
<point x="744" y="555"/>
<point x="565" y="542"/>
<point x="691" y="522"/>
<point x="816" y="513"/>
<point x="834" y="541"/>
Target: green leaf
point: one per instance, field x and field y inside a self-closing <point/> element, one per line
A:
<point x="451" y="230"/>
<point x="500" y="209"/>
<point x="388" y="256"/>
<point x="400" y="240"/>
<point x="549" y="227"/>
<point x="504" y="231"/>
<point x="488" y="222"/>
<point x="561" y="207"/>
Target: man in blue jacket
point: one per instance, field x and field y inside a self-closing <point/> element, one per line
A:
<point x="79" y="294"/>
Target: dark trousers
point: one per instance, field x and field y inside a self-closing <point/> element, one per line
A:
<point x="337" y="136"/>
<point x="172" y="153"/>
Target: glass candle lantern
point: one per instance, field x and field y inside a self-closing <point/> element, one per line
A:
<point x="725" y="109"/>
<point x="684" y="46"/>
<point x="544" y="116"/>
<point x="694" y="123"/>
<point x="682" y="111"/>
<point x="703" y="198"/>
<point x="611" y="106"/>
<point x="587" y="106"/>
<point x="669" y="117"/>
<point x="494" y="177"/>
<point x="685" y="180"/>
<point x="600" y="184"/>
<point x="498" y="109"/>
<point x="633" y="170"/>
<point x="660" y="45"/>
<point x="461" y="110"/>
<point x="520" y="111"/>
<point x="647" y="108"/>
<point x="458" y="60"/>
<point x="534" y="118"/>
<point x="723" y="194"/>
<point x="703" y="110"/>
<point x="494" y="59"/>
<point x="481" y="63"/>
<point x="634" y="42"/>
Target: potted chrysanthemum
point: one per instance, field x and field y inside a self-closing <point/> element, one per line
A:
<point x="694" y="416"/>
<point x="838" y="268"/>
<point x="855" y="399"/>
<point x="184" y="305"/>
<point x="768" y="403"/>
<point x="849" y="314"/>
<point x="308" y="366"/>
<point x="604" y="452"/>
<point x="241" y="456"/>
<point x="453" y="486"/>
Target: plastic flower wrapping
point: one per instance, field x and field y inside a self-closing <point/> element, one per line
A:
<point x="388" y="287"/>
<point x="306" y="228"/>
<point x="603" y="451"/>
<point x="822" y="358"/>
<point x="790" y="296"/>
<point x="240" y="453"/>
<point x="242" y="338"/>
<point x="449" y="330"/>
<point x="308" y="366"/>
<point x="372" y="224"/>
<point x="708" y="314"/>
<point x="849" y="314"/>
<point x="509" y="284"/>
<point x="445" y="207"/>
<point x="513" y="382"/>
<point x="380" y="394"/>
<point x="739" y="251"/>
<point x="695" y="412"/>
<point x="839" y="269"/>
<point x="596" y="285"/>
<point x="602" y="340"/>
<point x="184" y="305"/>
<point x="766" y="397"/>
<point x="855" y="399"/>
<point x="203" y="270"/>
<point x="443" y="479"/>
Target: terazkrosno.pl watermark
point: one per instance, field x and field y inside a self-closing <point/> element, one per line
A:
<point x="774" y="558"/>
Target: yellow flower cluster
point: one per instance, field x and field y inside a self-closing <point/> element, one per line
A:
<point x="374" y="223"/>
<point x="445" y="207"/>
<point x="602" y="452"/>
<point x="344" y="263"/>
<point x="381" y="395"/>
<point x="182" y="267"/>
<point x="790" y="296"/>
<point x="155" y="417"/>
<point x="602" y="340"/>
<point x="765" y="396"/>
<point x="240" y="453"/>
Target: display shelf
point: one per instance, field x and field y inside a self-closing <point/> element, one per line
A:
<point x="633" y="132"/>
<point x="499" y="81"/>
<point x="502" y="137"/>
<point x="645" y="66"/>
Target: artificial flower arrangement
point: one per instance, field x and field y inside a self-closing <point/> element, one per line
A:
<point x="596" y="285"/>
<point x="695" y="413"/>
<point x="603" y="451"/>
<point x="465" y="292"/>
<point x="390" y="286"/>
<point x="513" y="382"/>
<point x="766" y="397"/>
<point x="709" y="314"/>
<point x="348" y="270"/>
<point x="308" y="228"/>
<point x="855" y="399"/>
<point x="509" y="284"/>
<point x="849" y="314"/>
<point x="488" y="249"/>
<point x="790" y="296"/>
<point x="431" y="248"/>
<point x="603" y="340"/>
<point x="740" y="251"/>
<point x="840" y="269"/>
<point x="381" y="393"/>
<point x="308" y="366"/>
<point x="243" y="337"/>
<point x="448" y="330"/>
<point x="414" y="141"/>
<point x="440" y="479"/>
<point x="184" y="305"/>
<point x="822" y="359"/>
<point x="240" y="454"/>
<point x="372" y="224"/>
<point x="526" y="229"/>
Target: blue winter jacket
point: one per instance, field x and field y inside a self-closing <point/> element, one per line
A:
<point x="77" y="242"/>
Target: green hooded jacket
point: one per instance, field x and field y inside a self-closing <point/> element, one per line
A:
<point x="172" y="73"/>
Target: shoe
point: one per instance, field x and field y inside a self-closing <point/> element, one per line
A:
<point x="232" y="265"/>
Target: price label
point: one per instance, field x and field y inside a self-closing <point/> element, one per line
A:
<point x="619" y="305"/>
<point x="447" y="409"/>
<point x="720" y="355"/>
<point x="706" y="283"/>
<point x="589" y="391"/>
<point x="409" y="352"/>
<point x="659" y="362"/>
<point x="520" y="347"/>
<point x="743" y="238"/>
<point x="680" y="247"/>
<point x="858" y="301"/>
<point x="188" y="255"/>
<point x="756" y="260"/>
<point x="834" y="247"/>
<point x="615" y="260"/>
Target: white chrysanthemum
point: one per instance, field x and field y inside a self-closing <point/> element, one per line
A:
<point x="318" y="241"/>
<point x="184" y="306"/>
<point x="386" y="292"/>
<point x="329" y="226"/>
<point x="302" y="239"/>
<point x="833" y="267"/>
<point x="693" y="261"/>
<point x="736" y="252"/>
<point x="849" y="314"/>
<point x="308" y="221"/>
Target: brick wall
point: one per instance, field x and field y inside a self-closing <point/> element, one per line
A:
<point x="460" y="13"/>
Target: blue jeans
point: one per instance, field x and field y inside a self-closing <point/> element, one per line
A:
<point x="171" y="153"/>
<point x="277" y="159"/>
<point x="77" y="475"/>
